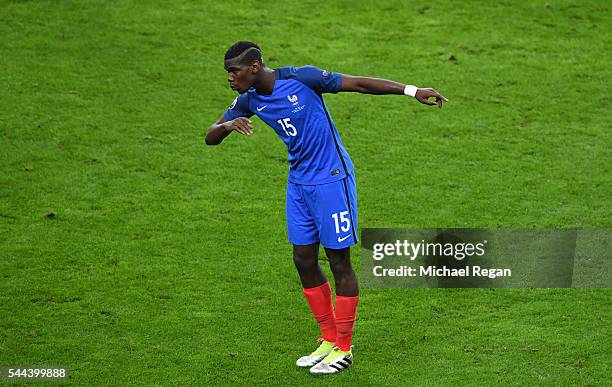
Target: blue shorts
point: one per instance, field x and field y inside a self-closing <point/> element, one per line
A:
<point x="325" y="213"/>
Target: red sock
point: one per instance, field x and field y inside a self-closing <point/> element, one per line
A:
<point x="346" y="313"/>
<point x="320" y="300"/>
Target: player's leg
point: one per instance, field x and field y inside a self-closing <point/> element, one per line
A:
<point x="303" y="234"/>
<point x="347" y="299"/>
<point x="306" y="260"/>
<point x="342" y="269"/>
<point x="347" y="295"/>
<point x="337" y="221"/>
<point x="319" y="297"/>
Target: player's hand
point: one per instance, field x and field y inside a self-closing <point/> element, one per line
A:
<point x="423" y="95"/>
<point x="241" y="125"/>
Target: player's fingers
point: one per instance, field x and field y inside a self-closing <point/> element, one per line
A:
<point x="244" y="121"/>
<point x="426" y="101"/>
<point x="238" y="127"/>
<point x="440" y="96"/>
<point x="247" y="128"/>
<point x="248" y="125"/>
<point x="434" y="93"/>
<point x="243" y="125"/>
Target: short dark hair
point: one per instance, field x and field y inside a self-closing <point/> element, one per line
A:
<point x="239" y="47"/>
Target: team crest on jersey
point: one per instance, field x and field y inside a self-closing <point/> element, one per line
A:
<point x="234" y="103"/>
<point x="293" y="99"/>
<point x="325" y="73"/>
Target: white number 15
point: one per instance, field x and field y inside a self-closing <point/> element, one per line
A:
<point x="346" y="223"/>
<point x="289" y="129"/>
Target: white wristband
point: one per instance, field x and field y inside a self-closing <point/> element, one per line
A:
<point x="410" y="90"/>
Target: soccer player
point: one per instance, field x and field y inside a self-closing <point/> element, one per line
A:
<point x="321" y="201"/>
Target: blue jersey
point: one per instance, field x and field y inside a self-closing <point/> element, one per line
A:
<point x="297" y="113"/>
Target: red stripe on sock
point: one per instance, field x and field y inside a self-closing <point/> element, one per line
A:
<point x="346" y="313"/>
<point x="320" y="301"/>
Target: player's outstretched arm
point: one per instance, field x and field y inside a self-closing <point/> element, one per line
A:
<point x="379" y="86"/>
<point x="222" y="128"/>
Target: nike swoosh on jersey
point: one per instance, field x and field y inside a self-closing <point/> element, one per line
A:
<point x="343" y="238"/>
<point x="261" y="108"/>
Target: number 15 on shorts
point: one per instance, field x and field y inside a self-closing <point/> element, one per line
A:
<point x="342" y="221"/>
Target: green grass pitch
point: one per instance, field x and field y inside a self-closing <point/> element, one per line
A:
<point x="133" y="254"/>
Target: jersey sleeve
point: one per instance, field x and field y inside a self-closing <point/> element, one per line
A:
<point x="238" y="108"/>
<point x="321" y="81"/>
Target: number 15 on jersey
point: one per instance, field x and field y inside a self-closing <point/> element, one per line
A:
<point x="289" y="129"/>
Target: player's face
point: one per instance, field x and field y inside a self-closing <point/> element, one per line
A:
<point x="240" y="77"/>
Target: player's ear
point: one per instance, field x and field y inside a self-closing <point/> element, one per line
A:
<point x="255" y="66"/>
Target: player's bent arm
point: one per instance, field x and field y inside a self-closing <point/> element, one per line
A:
<point x="222" y="128"/>
<point x="379" y="86"/>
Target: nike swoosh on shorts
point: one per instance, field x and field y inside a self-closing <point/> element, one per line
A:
<point x="343" y="238"/>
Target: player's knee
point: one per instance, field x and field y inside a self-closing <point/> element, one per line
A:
<point x="304" y="262"/>
<point x="341" y="268"/>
